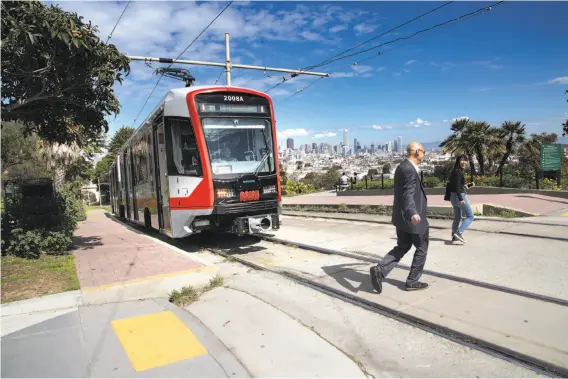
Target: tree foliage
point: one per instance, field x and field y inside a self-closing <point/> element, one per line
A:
<point x="116" y="142"/>
<point x="565" y="125"/>
<point x="57" y="75"/>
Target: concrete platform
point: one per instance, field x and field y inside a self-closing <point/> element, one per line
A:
<point x="131" y="339"/>
<point x="269" y="342"/>
<point x="529" y="264"/>
<point x="527" y="326"/>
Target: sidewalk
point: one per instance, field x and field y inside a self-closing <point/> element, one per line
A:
<point x="116" y="262"/>
<point x="145" y="338"/>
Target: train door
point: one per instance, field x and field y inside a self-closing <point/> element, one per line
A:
<point x="133" y="181"/>
<point x="126" y="184"/>
<point x="161" y="174"/>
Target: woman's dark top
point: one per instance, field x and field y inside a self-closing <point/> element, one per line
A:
<point x="457" y="183"/>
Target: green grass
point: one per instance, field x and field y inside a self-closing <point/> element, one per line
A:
<point x="188" y="294"/>
<point x="89" y="208"/>
<point x="28" y="278"/>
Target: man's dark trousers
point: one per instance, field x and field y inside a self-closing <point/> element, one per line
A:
<point x="404" y="244"/>
<point x="409" y="200"/>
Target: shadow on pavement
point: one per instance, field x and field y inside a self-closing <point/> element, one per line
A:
<point x="86" y="243"/>
<point x="193" y="244"/>
<point x="348" y="273"/>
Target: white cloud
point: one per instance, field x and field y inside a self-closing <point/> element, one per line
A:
<point x="365" y="28"/>
<point x="419" y="122"/>
<point x="288" y="133"/>
<point x="559" y="80"/>
<point x="381" y="127"/>
<point x="324" y="135"/>
<point x="444" y="66"/>
<point x="410" y="62"/>
<point x="480" y="89"/>
<point x="381" y="68"/>
<point x="361" y="69"/>
<point x="456" y="119"/>
<point x="488" y="64"/>
<point x="337" y="28"/>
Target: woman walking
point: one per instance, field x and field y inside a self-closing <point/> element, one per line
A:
<point x="457" y="187"/>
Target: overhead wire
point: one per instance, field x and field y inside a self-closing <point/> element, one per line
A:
<point x="117" y="22"/>
<point x="188" y="46"/>
<point x="466" y="16"/>
<point x="461" y="18"/>
<point x="219" y="77"/>
<point x="363" y="43"/>
<point x="379" y="35"/>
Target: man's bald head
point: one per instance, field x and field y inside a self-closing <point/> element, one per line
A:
<point x="415" y="152"/>
<point x="413" y="147"/>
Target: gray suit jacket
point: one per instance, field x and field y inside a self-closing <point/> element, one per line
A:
<point x="409" y="199"/>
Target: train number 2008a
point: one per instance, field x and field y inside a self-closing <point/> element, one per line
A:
<point x="234" y="98"/>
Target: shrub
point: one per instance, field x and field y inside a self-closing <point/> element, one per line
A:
<point x="296" y="188"/>
<point x="432" y="182"/>
<point x="40" y="224"/>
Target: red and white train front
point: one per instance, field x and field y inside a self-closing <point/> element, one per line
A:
<point x="223" y="169"/>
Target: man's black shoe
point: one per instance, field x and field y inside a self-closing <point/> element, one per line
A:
<point x="416" y="286"/>
<point x="376" y="279"/>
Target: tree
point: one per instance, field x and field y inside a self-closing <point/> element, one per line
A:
<point x="21" y="157"/>
<point x="116" y="143"/>
<point x="283" y="175"/>
<point x="565" y="125"/>
<point x="119" y="139"/>
<point x="514" y="132"/>
<point x="57" y="75"/>
<point x="458" y="143"/>
<point x="372" y="171"/>
<point x="387" y="168"/>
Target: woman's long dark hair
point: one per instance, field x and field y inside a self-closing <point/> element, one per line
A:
<point x="458" y="159"/>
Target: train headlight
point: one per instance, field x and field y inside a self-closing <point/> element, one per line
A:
<point x="225" y="192"/>
<point x="269" y="189"/>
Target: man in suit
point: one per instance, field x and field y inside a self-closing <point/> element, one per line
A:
<point x="409" y="217"/>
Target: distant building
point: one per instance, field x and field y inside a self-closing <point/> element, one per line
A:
<point x="290" y="143"/>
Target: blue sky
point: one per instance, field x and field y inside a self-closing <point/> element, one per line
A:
<point x="510" y="63"/>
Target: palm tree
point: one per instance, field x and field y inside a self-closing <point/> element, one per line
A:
<point x="458" y="142"/>
<point x="515" y="134"/>
<point x="481" y="137"/>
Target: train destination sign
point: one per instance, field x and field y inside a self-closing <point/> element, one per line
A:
<point x="550" y="157"/>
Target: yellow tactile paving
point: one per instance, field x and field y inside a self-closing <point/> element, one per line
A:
<point x="156" y="339"/>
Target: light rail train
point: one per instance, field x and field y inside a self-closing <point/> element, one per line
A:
<point x="204" y="159"/>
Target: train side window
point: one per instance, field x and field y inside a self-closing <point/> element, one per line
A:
<point x="182" y="150"/>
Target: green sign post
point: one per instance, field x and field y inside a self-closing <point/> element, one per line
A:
<point x="550" y="157"/>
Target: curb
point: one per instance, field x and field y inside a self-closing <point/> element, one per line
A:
<point x="64" y="300"/>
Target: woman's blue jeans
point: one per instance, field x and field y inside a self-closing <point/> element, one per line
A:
<point x="459" y="212"/>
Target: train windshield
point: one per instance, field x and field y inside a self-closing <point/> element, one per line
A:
<point x="239" y="145"/>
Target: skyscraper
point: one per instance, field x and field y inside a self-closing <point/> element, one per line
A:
<point x="290" y="143"/>
<point x="345" y="142"/>
<point x="400" y="148"/>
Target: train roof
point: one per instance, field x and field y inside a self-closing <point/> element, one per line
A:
<point x="174" y="104"/>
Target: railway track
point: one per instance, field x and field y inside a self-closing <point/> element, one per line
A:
<point x="537" y="365"/>
<point x="472" y="228"/>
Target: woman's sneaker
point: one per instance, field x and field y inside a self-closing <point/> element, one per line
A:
<point x="459" y="237"/>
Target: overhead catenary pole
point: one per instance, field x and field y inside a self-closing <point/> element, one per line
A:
<point x="227" y="64"/>
<point x="227" y="60"/>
